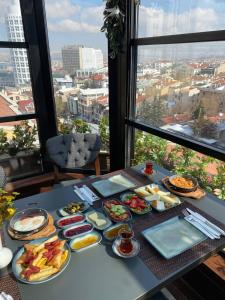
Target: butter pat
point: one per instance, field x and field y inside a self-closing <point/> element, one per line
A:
<point x="94" y="217"/>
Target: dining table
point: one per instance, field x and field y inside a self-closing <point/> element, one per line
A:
<point x="97" y="273"/>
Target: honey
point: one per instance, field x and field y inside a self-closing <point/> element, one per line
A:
<point x="84" y="242"/>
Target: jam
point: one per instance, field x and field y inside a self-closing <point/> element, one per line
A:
<point x="78" y="230"/>
<point x="71" y="220"/>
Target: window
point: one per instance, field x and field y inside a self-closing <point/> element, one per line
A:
<point x="157" y="18"/>
<point x="178" y="89"/>
<point x="9" y="9"/>
<point x="23" y="91"/>
<point x="79" y="64"/>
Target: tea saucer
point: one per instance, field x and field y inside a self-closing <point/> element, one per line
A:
<point x="133" y="253"/>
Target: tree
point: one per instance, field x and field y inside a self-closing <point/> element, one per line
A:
<point x="151" y="112"/>
<point x="201" y="126"/>
<point x="3" y="141"/>
<point x="61" y="107"/>
<point x="81" y="126"/>
<point x="24" y="136"/>
<point x="104" y="133"/>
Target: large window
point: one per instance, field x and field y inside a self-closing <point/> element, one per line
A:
<point x="79" y="66"/>
<point x="26" y="95"/>
<point x="177" y="62"/>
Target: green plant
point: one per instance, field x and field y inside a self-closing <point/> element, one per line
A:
<point x="113" y="25"/>
<point x="149" y="147"/>
<point x="64" y="128"/>
<point x="104" y="133"/>
<point x="81" y="126"/>
<point x="180" y="160"/>
<point x="24" y="136"/>
<point x="3" y="141"/>
<point x="7" y="209"/>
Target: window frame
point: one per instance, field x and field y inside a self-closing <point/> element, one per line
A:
<point x="131" y="123"/>
<point x="37" y="47"/>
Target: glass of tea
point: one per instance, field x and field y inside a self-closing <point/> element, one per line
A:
<point x="126" y="245"/>
<point x="148" y="168"/>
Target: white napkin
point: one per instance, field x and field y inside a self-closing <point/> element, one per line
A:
<point x="4" y="296"/>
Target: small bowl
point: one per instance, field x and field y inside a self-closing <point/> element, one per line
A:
<point x="103" y="227"/>
<point x="65" y="231"/>
<point x="93" y="233"/>
<point x="69" y="217"/>
<point x="29" y="213"/>
<point x="113" y="227"/>
<point x="184" y="189"/>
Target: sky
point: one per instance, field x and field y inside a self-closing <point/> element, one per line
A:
<point x="79" y="21"/>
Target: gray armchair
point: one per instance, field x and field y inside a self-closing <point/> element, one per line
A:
<point x="2" y="178"/>
<point x="71" y="152"/>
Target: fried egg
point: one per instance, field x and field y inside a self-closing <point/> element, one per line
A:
<point x="29" y="223"/>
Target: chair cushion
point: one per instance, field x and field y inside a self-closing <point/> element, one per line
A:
<point x="73" y="150"/>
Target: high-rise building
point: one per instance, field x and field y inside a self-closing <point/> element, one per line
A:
<point x="71" y="58"/>
<point x="18" y="56"/>
<point x="77" y="57"/>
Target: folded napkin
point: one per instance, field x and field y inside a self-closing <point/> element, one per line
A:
<point x="4" y="296"/>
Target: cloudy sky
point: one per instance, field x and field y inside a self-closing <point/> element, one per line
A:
<point x="79" y="21"/>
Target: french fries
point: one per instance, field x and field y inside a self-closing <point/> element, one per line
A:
<point x="41" y="261"/>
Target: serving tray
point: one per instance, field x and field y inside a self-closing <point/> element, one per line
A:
<point x="197" y="194"/>
<point x="113" y="185"/>
<point x="173" y="236"/>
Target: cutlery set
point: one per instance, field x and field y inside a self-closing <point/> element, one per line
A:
<point x="201" y="223"/>
<point x="86" y="194"/>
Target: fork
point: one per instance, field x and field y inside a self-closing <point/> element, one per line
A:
<point x="189" y="218"/>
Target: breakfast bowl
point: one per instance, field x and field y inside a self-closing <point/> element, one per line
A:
<point x="29" y="221"/>
<point x="183" y="183"/>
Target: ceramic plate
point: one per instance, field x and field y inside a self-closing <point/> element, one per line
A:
<point x="91" y="234"/>
<point x="28" y="215"/>
<point x="63" y="213"/>
<point x="148" y="208"/>
<point x="78" y="219"/>
<point x="102" y="216"/>
<point x="17" y="268"/>
<point x="113" y="185"/>
<point x="173" y="237"/>
<point x="118" y="225"/>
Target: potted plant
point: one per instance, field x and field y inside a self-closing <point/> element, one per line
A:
<point x="7" y="210"/>
<point x="19" y="156"/>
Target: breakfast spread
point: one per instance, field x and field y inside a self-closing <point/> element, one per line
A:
<point x="40" y="261"/>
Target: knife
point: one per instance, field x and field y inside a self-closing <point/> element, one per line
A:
<point x="199" y="227"/>
<point x="207" y="222"/>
